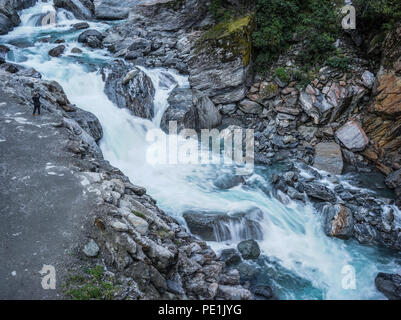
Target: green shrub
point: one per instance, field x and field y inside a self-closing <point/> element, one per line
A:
<point x="283" y="75"/>
<point x="339" y="62"/>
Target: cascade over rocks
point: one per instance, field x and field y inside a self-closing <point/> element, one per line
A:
<point x="9" y="17"/>
<point x="129" y="87"/>
<point x="82" y="9"/>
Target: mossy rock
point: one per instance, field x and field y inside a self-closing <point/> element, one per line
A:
<point x="234" y="37"/>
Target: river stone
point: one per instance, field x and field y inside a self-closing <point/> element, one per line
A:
<point x="249" y="106"/>
<point x="368" y="79"/>
<point x="91" y="249"/>
<point x="230" y="257"/>
<point x="57" y="51"/>
<point x="80" y="25"/>
<point x="352" y="136"/>
<point x="228" y="181"/>
<point x="249" y="249"/>
<point x="389" y="285"/>
<point x="339" y="221"/>
<point x="328" y="157"/>
<point x="91" y="38"/>
<point x="318" y="191"/>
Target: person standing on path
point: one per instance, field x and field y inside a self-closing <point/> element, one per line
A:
<point x="36" y="103"/>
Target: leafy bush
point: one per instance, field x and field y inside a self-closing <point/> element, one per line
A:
<point x="283" y="75"/>
<point x="339" y="62"/>
<point x="279" y="23"/>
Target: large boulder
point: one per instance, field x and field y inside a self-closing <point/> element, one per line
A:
<point x="216" y="226"/>
<point x="82" y="9"/>
<point x="129" y="87"/>
<point x="328" y="157"/>
<point x="339" y="221"/>
<point x="91" y="38"/>
<point x="389" y="285"/>
<point x="57" y="51"/>
<point x="352" y="136"/>
<point x="181" y="110"/>
<point x="318" y="191"/>
<point x="220" y="61"/>
<point x="9" y="17"/>
<point x="89" y="122"/>
<point x="191" y="109"/>
<point x="113" y="10"/>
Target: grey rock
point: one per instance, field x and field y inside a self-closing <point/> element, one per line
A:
<point x="208" y="115"/>
<point x="339" y="221"/>
<point x="113" y="10"/>
<point x="389" y="285"/>
<point x="230" y="257"/>
<point x="129" y="87"/>
<point x="249" y="106"/>
<point x="82" y="9"/>
<point x="394" y="179"/>
<point x="89" y="122"/>
<point x="249" y="249"/>
<point x="81" y="25"/>
<point x="328" y="157"/>
<point x="228" y="181"/>
<point x="352" y="136"/>
<point x="234" y="293"/>
<point x="368" y="79"/>
<point x="91" y="38"/>
<point x="319" y="192"/>
<point x="215" y="226"/>
<point x="57" y="51"/>
<point x="91" y="249"/>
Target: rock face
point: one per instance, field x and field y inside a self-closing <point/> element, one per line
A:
<point x="89" y="122"/>
<point x="249" y="249"/>
<point x="389" y="285"/>
<point x="352" y="136"/>
<point x="91" y="38"/>
<point x="339" y="221"/>
<point x="9" y="17"/>
<point x="220" y="61"/>
<point x="129" y="87"/>
<point x="328" y="157"/>
<point x="82" y="9"/>
<point x="215" y="226"/>
<point x="208" y="115"/>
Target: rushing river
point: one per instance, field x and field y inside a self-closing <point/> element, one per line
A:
<point x="299" y="260"/>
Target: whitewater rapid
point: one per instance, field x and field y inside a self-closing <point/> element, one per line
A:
<point x="300" y="262"/>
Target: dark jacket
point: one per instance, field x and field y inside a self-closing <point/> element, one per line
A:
<point x="36" y="100"/>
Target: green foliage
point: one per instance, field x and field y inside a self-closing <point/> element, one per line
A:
<point x="283" y="75"/>
<point x="378" y="14"/>
<point x="339" y="62"/>
<point x="219" y="11"/>
<point x="279" y="23"/>
<point x="94" y="286"/>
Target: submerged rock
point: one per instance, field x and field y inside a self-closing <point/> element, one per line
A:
<point x="57" y="51"/>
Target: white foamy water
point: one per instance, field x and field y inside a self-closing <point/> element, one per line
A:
<point x="303" y="262"/>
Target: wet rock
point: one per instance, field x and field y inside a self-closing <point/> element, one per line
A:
<point x="82" y="9"/>
<point x="129" y="87"/>
<point x="228" y="181"/>
<point x="352" y="136"/>
<point x="57" y="51"/>
<point x="263" y="292"/>
<point x="216" y="226"/>
<point x="181" y="110"/>
<point x="76" y="50"/>
<point x="113" y="10"/>
<point x="339" y="221"/>
<point x="394" y="179"/>
<point x="247" y="272"/>
<point x="328" y="157"/>
<point x="232" y="277"/>
<point x="234" y="293"/>
<point x="249" y="249"/>
<point x="319" y="192"/>
<point x="230" y="257"/>
<point x="91" y="38"/>
<point x="208" y="115"/>
<point x="3" y="51"/>
<point x="389" y="285"/>
<point x="89" y="122"/>
<point x="91" y="249"/>
<point x="80" y="25"/>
